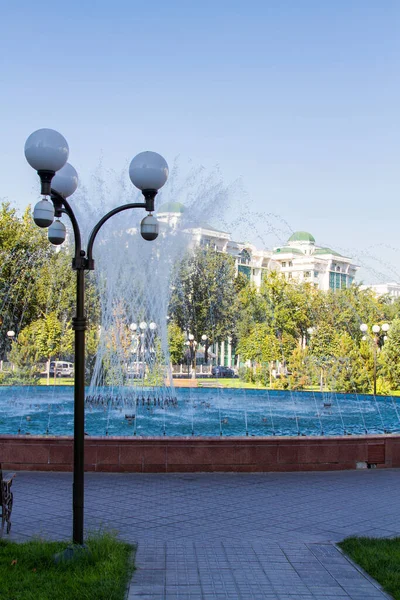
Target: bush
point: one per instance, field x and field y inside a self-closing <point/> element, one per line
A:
<point x="282" y="383"/>
<point x="247" y="374"/>
<point x="298" y="382"/>
<point x="21" y="376"/>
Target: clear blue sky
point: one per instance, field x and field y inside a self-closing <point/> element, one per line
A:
<point x="298" y="98"/>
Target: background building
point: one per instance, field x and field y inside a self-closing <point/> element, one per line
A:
<point x="391" y="289"/>
<point x="298" y="260"/>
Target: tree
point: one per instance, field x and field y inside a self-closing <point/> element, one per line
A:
<point x="389" y="358"/>
<point x="260" y="345"/>
<point x="24" y="249"/>
<point x="203" y="295"/>
<point x="176" y="341"/>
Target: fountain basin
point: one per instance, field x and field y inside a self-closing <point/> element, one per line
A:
<point x="174" y="455"/>
<point x="211" y="412"/>
<point x="202" y="430"/>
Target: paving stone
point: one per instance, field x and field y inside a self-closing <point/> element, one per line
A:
<point x="223" y="536"/>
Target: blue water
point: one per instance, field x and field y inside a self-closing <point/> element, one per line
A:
<point x="40" y="410"/>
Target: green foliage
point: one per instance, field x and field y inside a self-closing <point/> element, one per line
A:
<point x="299" y="377"/>
<point x="24" y="250"/>
<point x="390" y="355"/>
<point x="37" y="296"/>
<point x="273" y="324"/>
<point x="203" y="296"/>
<point x="28" y="571"/>
<point x="260" y="345"/>
<point x="176" y="341"/>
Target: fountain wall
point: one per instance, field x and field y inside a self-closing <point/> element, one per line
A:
<point x="177" y="455"/>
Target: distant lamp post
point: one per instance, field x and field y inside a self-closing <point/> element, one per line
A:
<point x="204" y="339"/>
<point x="152" y="328"/>
<point x="376" y="329"/>
<point x="47" y="152"/>
<point x="11" y="336"/>
<point x="187" y="344"/>
<point x="191" y="344"/>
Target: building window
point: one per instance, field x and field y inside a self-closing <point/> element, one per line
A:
<point x="315" y="273"/>
<point x="289" y="276"/>
<point x="284" y="264"/>
<point x="338" y="269"/>
<point x="245" y="257"/>
<point x="307" y="273"/>
<point x="290" y="263"/>
<point x="245" y="270"/>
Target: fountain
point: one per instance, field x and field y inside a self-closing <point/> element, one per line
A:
<point x="130" y="391"/>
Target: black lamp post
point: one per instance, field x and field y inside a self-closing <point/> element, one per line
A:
<point x="191" y="345"/>
<point x="47" y="152"/>
<point x="376" y="331"/>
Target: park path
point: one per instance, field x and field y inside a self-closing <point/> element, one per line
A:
<point x="226" y="536"/>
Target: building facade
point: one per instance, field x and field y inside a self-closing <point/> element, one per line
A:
<point x="299" y="260"/>
<point x="303" y="261"/>
<point x="391" y="289"/>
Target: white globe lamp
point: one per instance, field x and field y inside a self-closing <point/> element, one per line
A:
<point x="65" y="181"/>
<point x="376" y="328"/>
<point x="148" y="171"/>
<point x="43" y="213"/>
<point x="46" y="151"/>
<point x="149" y="228"/>
<point x="56" y="233"/>
<point x="364" y="327"/>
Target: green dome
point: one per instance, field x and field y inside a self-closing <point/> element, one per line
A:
<point x="326" y="251"/>
<point x="288" y="249"/>
<point x="301" y="236"/>
<point x="171" y="207"/>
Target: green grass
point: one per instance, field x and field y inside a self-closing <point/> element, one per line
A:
<point x="231" y="383"/>
<point x="57" y="381"/>
<point x="379" y="557"/>
<point x="28" y="571"/>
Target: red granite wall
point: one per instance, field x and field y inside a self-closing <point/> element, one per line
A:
<point x="169" y="455"/>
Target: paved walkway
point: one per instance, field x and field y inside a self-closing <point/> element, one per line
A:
<point x="226" y="536"/>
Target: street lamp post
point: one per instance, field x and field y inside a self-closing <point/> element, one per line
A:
<point x="47" y="152"/>
<point x="375" y="330"/>
<point x="11" y="336"/>
<point x="191" y="346"/>
<point x="204" y="339"/>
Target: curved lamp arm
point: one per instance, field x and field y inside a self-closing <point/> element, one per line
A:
<point x="80" y="261"/>
<point x="96" y="228"/>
